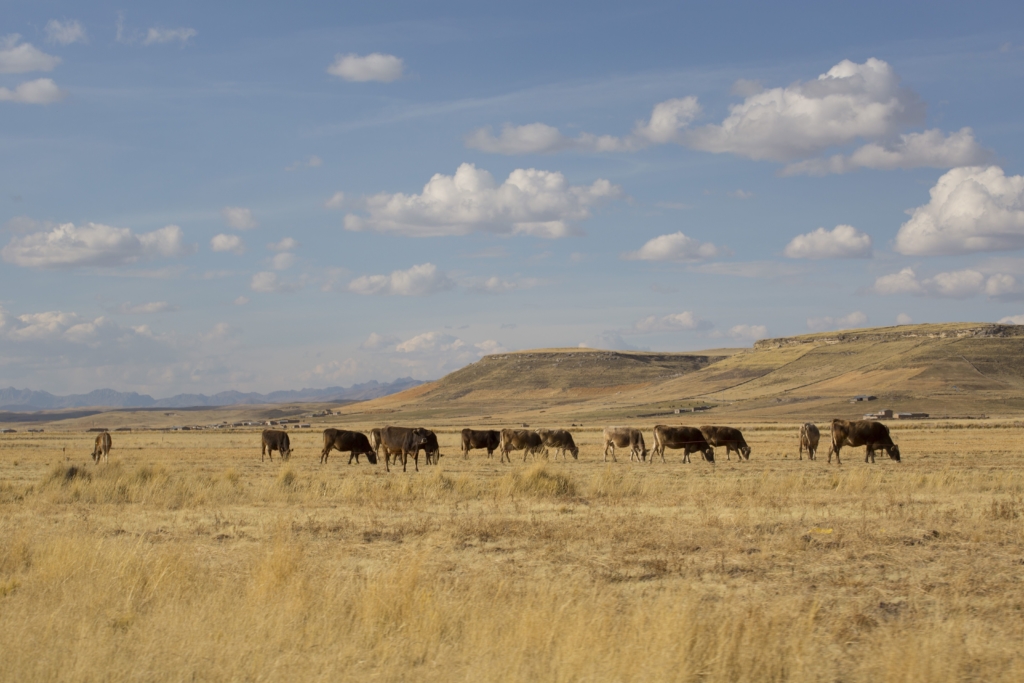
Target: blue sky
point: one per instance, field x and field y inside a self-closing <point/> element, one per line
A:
<point x="258" y="196"/>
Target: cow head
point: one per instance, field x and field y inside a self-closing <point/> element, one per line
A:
<point x="575" y="452"/>
<point x="709" y="454"/>
<point x="894" y="452"/>
<point x="371" y="455"/>
<point x="746" y="452"/>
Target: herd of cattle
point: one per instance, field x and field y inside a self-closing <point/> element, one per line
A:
<point x="407" y="442"/>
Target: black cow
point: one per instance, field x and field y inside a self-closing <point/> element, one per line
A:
<point x="690" y="439"/>
<point x="431" y="451"/>
<point x="402" y="441"/>
<point x="275" y="440"/>
<point x="855" y="433"/>
<point x="488" y="438"/>
<point x="355" y="443"/>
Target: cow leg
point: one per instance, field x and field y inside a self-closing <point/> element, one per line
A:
<point x="263" y="452"/>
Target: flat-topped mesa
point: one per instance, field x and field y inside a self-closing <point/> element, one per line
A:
<point x="882" y="334"/>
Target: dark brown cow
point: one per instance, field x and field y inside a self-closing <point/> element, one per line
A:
<point x="375" y="440"/>
<point x="402" y="441"/>
<point x="856" y="433"/>
<point x="620" y="437"/>
<point x="521" y="440"/>
<point x="809" y="438"/>
<point x="431" y="451"/>
<point x="101" y="449"/>
<point x="730" y="437"/>
<point x="488" y="438"/>
<point x="690" y="439"/>
<point x="561" y="440"/>
<point x="275" y="440"/>
<point x="355" y="443"/>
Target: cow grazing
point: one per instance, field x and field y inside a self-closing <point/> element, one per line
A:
<point x="690" y="439"/>
<point x="431" y="451"/>
<point x="809" y="437"/>
<point x="355" y="443"/>
<point x="101" y="449"/>
<point x="620" y="437"/>
<point x="473" y="438"/>
<point x="855" y="433"/>
<point x="730" y="437"/>
<point x="561" y="440"/>
<point x="402" y="441"/>
<point x="275" y="440"/>
<point x="375" y="440"/>
<point x="521" y="440"/>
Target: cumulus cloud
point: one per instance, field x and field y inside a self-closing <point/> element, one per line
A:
<point x="751" y="332"/>
<point x="686" y="320"/>
<point x="17" y="57"/>
<point x="674" y="247"/>
<point x="843" y="241"/>
<point x="39" y="91"/>
<point x="373" y="67"/>
<point x="1012" y="320"/>
<point x="336" y="201"/>
<point x="904" y="319"/>
<point x="266" y="282"/>
<point x="532" y="138"/>
<point x="529" y="202"/>
<point x="282" y="261"/>
<point x="971" y="209"/>
<point x="312" y="162"/>
<point x="238" y="217"/>
<point x="416" y="281"/>
<point x="430" y="341"/>
<point x="489" y="346"/>
<point x="93" y="244"/>
<point x="65" y="32"/>
<point x="232" y="243"/>
<point x="128" y="308"/>
<point x="286" y="244"/>
<point x="241" y="301"/>
<point x="855" y="319"/>
<point x="959" y="284"/>
<point x="379" y="341"/>
<point x="157" y="36"/>
<point x="930" y="149"/>
<point x="497" y="285"/>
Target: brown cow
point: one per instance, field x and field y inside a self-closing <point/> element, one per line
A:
<point x="488" y="438"/>
<point x="620" y="437"/>
<point x="521" y="440"/>
<point x="561" y="440"/>
<point x="355" y="443"/>
<point x="402" y="441"/>
<point x="730" y="437"/>
<point x="275" y="440"/>
<point x="375" y="440"/>
<point x="855" y="433"/>
<point x="809" y="437"/>
<point x="101" y="449"/>
<point x="690" y="439"/>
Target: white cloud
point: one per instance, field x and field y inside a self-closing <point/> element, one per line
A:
<point x="18" y="58"/>
<point x="971" y="209"/>
<point x="241" y="301"/>
<point x="741" y="194"/>
<point x="372" y="67"/>
<point x="529" y="202"/>
<point x="39" y="91"/>
<point x="1012" y="320"/>
<point x="157" y="36"/>
<point x="490" y="346"/>
<point x="843" y="241"/>
<point x="496" y="285"/>
<point x="334" y="370"/>
<point x="238" y="217"/>
<point x="283" y="261"/>
<point x="959" y="284"/>
<point x="232" y="243"/>
<point x="848" y="102"/>
<point x="379" y="341"/>
<point x="430" y="341"/>
<point x="930" y="149"/>
<point x="674" y="247"/>
<point x="312" y="162"/>
<point x="855" y="319"/>
<point x="532" y="138"/>
<point x="286" y="244"/>
<point x="336" y="201"/>
<point x="267" y="281"/>
<point x="686" y="320"/>
<point x="93" y="244"/>
<point x="416" y="281"/>
<point x="752" y="332"/>
<point x="667" y="120"/>
<point x="128" y="308"/>
<point x="65" y="32"/>
<point x="904" y="319"/>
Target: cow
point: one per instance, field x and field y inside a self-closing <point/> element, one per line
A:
<point x="101" y="449"/>
<point x="730" y="437"/>
<point x="620" y="437"/>
<point x="690" y="439"/>
<point x="375" y="440"/>
<point x="856" y="433"/>
<point x="431" y="451"/>
<point x="809" y="437"/>
<point x="472" y="438"/>
<point x="402" y="441"/>
<point x="355" y="443"/>
<point x="561" y="441"/>
<point x="520" y="440"/>
<point x="275" y="440"/>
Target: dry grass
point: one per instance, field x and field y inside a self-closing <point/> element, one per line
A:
<point x="186" y="558"/>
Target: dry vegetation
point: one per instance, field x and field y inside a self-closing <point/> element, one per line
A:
<point x="186" y="558"/>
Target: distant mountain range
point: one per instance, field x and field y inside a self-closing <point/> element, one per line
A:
<point x="26" y="400"/>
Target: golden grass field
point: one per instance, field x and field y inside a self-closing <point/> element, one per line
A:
<point x="187" y="559"/>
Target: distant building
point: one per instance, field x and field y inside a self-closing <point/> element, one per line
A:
<point x="911" y="416"/>
<point x="863" y="397"/>
<point x="880" y="415"/>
